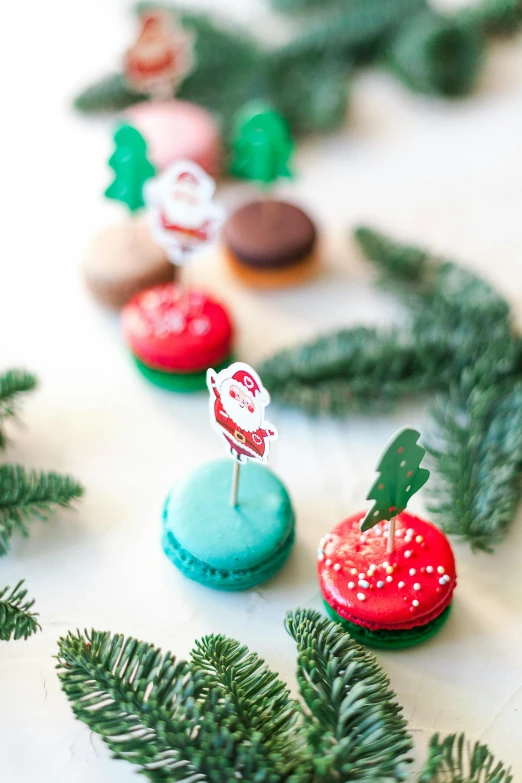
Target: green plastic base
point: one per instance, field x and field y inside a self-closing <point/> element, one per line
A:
<point x="176" y="381"/>
<point x="391" y="640"/>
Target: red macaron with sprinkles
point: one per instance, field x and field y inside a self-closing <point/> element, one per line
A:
<point x="175" y="335"/>
<point x="386" y="575"/>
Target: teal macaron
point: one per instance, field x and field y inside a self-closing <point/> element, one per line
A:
<point x="223" y="546"/>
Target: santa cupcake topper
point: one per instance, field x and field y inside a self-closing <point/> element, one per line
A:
<point x="183" y="216"/>
<point x="237" y="412"/>
<point x="161" y="57"/>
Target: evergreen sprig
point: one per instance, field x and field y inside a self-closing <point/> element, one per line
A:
<point x="461" y="342"/>
<point x="12" y="384"/>
<point x="476" y="448"/>
<point x="454" y="760"/>
<point x="17" y="621"/>
<point x="306" y="79"/>
<point x="27" y="495"/>
<point x="224" y="716"/>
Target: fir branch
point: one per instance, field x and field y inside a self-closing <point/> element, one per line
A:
<point x="493" y="17"/>
<point x="355" y="726"/>
<point x="437" y="55"/>
<point x="16" y="619"/>
<point x="455" y="760"/>
<point x="266" y="715"/>
<point x="140" y="701"/>
<point x="12" y="384"/>
<point x="26" y="495"/>
<point x="111" y="93"/>
<point x="476" y="452"/>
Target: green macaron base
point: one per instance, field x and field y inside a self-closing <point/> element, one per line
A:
<point x="183" y="383"/>
<point x="385" y="639"/>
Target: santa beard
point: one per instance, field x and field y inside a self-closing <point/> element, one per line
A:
<point x="250" y="422"/>
<point x="183" y="207"/>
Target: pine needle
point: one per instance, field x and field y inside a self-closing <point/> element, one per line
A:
<point x="455" y="760"/>
<point x="26" y="495"/>
<point x="476" y="450"/>
<point x="12" y="384"/>
<point x="355" y="725"/>
<point x="16" y="619"/>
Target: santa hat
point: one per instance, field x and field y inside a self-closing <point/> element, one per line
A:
<point x="247" y="380"/>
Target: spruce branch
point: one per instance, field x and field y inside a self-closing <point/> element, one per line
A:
<point x="26" y="495"/>
<point x="355" y="726"/>
<point x="13" y="383"/>
<point x="266" y="715"/>
<point x="476" y="452"/>
<point x="17" y="621"/>
<point x="493" y="17"/>
<point x="455" y="760"/>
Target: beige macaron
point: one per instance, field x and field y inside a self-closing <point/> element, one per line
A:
<point x="123" y="260"/>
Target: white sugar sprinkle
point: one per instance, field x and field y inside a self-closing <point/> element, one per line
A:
<point x="328" y="562"/>
<point x="410" y="531"/>
<point x="351" y="585"/>
<point x="363" y="583"/>
<point x="361" y="596"/>
<point x="386" y="564"/>
<point x="378" y="531"/>
<point x="401" y="584"/>
<point x="389" y="570"/>
<point x="337" y="567"/>
<point x="321" y="556"/>
<point x="419" y="539"/>
<point x="380" y="583"/>
<point x="412" y="572"/>
<point x="429" y="569"/>
<point x="353" y="571"/>
<point x="407" y="553"/>
<point x="389" y="578"/>
<point x="362" y="575"/>
<point x="440" y="569"/>
<point x="415" y="602"/>
<point x="416" y="586"/>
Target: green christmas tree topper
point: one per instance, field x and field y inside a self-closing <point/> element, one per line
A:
<point x="132" y="168"/>
<point x="261" y="144"/>
<point x="399" y="477"/>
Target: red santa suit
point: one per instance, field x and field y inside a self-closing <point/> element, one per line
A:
<point x="245" y="443"/>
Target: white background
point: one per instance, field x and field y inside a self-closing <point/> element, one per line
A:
<point x="447" y="175"/>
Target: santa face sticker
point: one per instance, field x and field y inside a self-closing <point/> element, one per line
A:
<point x="237" y="411"/>
<point x="161" y="57"/>
<point x="182" y="214"/>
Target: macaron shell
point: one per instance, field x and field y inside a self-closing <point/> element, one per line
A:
<point x="273" y="278"/>
<point x="383" y="639"/>
<point x="171" y="331"/>
<point x="177" y="381"/>
<point x="270" y="235"/>
<point x="123" y="260"/>
<point x="422" y="563"/>
<point x="224" y="542"/>
<point x="177" y="130"/>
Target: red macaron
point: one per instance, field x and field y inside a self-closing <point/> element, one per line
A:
<point x="387" y="600"/>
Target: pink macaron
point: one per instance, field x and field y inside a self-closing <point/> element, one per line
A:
<point x="178" y="129"/>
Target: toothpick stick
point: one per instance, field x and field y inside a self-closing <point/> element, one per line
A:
<point x="391" y="535"/>
<point x="235" y="483"/>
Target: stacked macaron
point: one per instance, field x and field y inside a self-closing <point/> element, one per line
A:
<point x="224" y="546"/>
<point x="387" y="600"/>
<point x="176" y="335"/>
<point x="270" y="244"/>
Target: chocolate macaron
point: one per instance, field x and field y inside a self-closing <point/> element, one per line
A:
<point x="270" y="244"/>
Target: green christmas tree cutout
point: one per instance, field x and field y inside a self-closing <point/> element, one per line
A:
<point x="132" y="168"/>
<point x="399" y="478"/>
<point x="261" y="145"/>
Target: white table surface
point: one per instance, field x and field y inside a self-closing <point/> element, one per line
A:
<point x="447" y="175"/>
